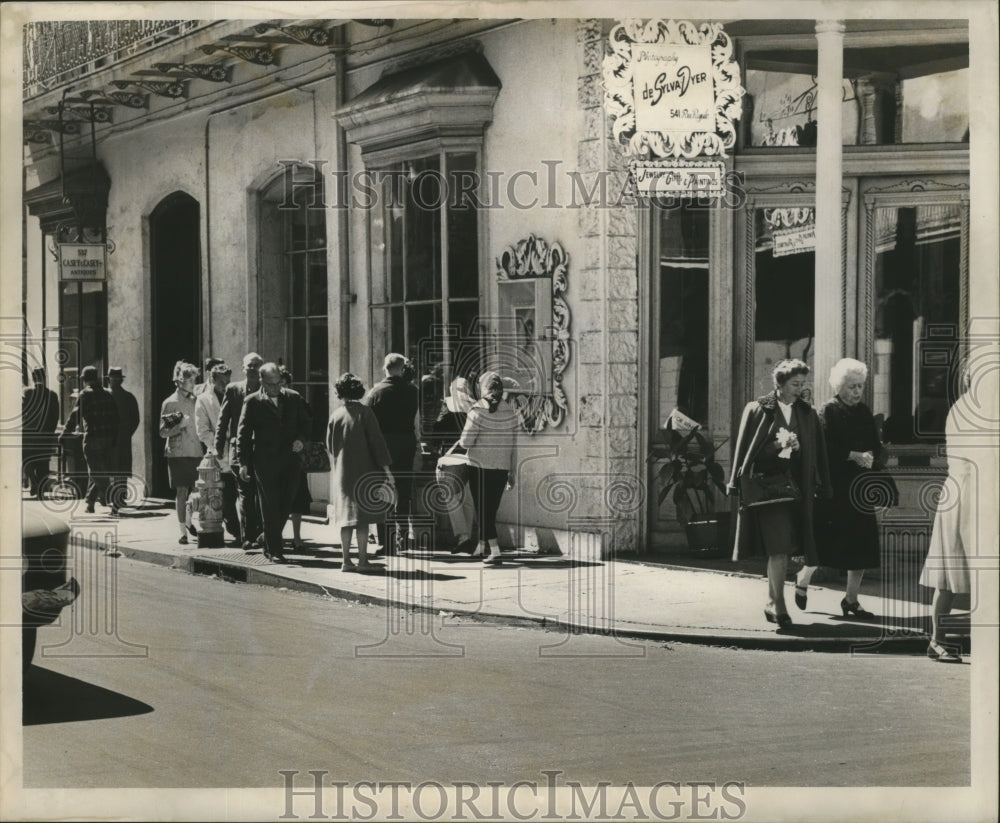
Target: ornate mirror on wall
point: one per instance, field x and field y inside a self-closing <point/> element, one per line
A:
<point x="532" y="331"/>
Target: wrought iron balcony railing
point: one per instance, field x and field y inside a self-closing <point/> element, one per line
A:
<point x="57" y="51"/>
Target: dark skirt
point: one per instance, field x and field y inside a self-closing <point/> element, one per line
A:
<point x="847" y="537"/>
<point x="183" y="471"/>
<point x="302" y="502"/>
<point x="778" y="527"/>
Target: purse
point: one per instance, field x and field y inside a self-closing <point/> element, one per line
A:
<point x="758" y="489"/>
<point x="315" y="457"/>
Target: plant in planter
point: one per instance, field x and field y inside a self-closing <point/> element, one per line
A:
<point x="695" y="479"/>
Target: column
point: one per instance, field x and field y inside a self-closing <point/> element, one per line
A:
<point x="828" y="311"/>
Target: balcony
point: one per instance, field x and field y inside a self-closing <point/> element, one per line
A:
<point x="57" y="52"/>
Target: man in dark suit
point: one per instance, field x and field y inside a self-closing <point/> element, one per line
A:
<point x="225" y="434"/>
<point x="97" y="414"/>
<point x="39" y="419"/>
<point x="128" y="422"/>
<point x="395" y="401"/>
<point x="272" y="432"/>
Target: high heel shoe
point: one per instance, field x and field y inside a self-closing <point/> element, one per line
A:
<point x="769" y="616"/>
<point x="801" y="596"/>
<point x="854" y="609"/>
<point x="941" y="654"/>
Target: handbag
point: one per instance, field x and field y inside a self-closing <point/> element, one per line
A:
<point x="315" y="457"/>
<point x="758" y="489"/>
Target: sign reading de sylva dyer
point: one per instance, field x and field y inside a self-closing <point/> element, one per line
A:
<point x="82" y="261"/>
<point x="673" y="87"/>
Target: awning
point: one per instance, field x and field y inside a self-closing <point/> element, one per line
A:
<point x="81" y="198"/>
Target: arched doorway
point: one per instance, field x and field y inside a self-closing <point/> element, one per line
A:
<point x="175" y="259"/>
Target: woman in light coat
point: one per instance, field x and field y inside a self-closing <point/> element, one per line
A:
<point x="490" y="441"/>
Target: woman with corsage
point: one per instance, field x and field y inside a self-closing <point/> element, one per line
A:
<point x="779" y="446"/>
<point x="848" y="539"/>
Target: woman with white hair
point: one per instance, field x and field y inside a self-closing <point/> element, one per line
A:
<point x="849" y="538"/>
<point x="183" y="448"/>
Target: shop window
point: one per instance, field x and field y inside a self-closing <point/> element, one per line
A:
<point x="893" y="94"/>
<point x="917" y="278"/>
<point x="682" y="363"/>
<point x="784" y="287"/>
<point x="425" y="277"/>
<point x="782" y="109"/>
<point x="293" y="288"/>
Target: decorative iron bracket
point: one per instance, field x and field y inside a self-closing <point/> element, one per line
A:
<point x="308" y="35"/>
<point x="130" y="99"/>
<point x="214" y="72"/>
<point x="174" y="89"/>
<point x="261" y="55"/>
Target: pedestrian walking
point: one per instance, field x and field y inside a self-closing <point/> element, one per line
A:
<point x="272" y="431"/>
<point x="207" y="406"/>
<point x="128" y="423"/>
<point x="395" y="402"/>
<point x="490" y="440"/>
<point x="779" y="466"/>
<point x="302" y="504"/>
<point x="361" y="464"/>
<point x="965" y="520"/>
<point x="97" y="416"/>
<point x="39" y="420"/>
<point x="847" y="531"/>
<point x="247" y="505"/>
<point x="183" y="448"/>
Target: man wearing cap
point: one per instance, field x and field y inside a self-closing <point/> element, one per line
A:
<point x="206" y="419"/>
<point x="395" y="401"/>
<point x="225" y="435"/>
<point x="210" y="363"/>
<point x="97" y="414"/>
<point x="128" y="422"/>
<point x="39" y="418"/>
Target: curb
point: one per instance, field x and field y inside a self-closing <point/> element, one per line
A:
<point x="745" y="640"/>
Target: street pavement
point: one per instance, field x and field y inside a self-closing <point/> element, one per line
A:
<point x="627" y="598"/>
<point x="199" y="683"/>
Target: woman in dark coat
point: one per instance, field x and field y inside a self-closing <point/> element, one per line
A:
<point x="848" y="536"/>
<point x="780" y="433"/>
<point x="361" y="475"/>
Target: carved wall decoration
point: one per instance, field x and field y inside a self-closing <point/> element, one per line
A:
<point x="534" y="258"/>
<point x="619" y="90"/>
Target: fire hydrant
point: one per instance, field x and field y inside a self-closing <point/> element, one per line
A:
<point x="207" y="502"/>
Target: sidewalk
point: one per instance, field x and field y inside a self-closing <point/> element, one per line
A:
<point x="628" y="598"/>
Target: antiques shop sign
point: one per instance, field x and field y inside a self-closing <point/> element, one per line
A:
<point x="82" y="261"/>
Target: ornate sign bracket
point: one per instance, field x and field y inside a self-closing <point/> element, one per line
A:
<point x="667" y="64"/>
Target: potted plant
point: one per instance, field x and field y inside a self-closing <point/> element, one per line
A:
<point x="690" y="473"/>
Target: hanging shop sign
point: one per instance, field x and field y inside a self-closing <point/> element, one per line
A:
<point x="672" y="89"/>
<point x="793" y="241"/>
<point x="82" y="261"/>
<point x="679" y="178"/>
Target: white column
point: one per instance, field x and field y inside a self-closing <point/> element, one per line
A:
<point x="829" y="172"/>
